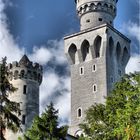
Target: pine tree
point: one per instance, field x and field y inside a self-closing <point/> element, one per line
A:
<point x="119" y="118"/>
<point x="8" y="109"/>
<point x="46" y="126"/>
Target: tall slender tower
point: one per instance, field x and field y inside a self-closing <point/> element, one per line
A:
<point x="98" y="55"/>
<point x="26" y="77"/>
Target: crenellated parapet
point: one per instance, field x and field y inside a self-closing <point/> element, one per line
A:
<point x="25" y="69"/>
<point x="97" y="6"/>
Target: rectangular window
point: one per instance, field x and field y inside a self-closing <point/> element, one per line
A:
<point x="24" y="89"/>
<point x="94" y="88"/>
<point x="93" y="68"/>
<point x="79" y="112"/>
<point x="100" y="19"/>
<point x="23" y="119"/>
<point x="81" y="70"/>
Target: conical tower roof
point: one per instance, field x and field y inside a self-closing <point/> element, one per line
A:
<point x="24" y="60"/>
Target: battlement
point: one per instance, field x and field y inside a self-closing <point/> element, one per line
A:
<point x="97" y="6"/>
<point x="25" y="69"/>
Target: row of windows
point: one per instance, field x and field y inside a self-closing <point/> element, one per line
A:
<point x="94" y="68"/>
<point x="99" y="19"/>
<point x="92" y="51"/>
<point x="81" y="69"/>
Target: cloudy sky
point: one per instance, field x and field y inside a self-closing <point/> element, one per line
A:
<point x="37" y="28"/>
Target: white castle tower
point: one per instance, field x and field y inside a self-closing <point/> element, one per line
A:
<point x="98" y="55"/>
<point x="26" y="77"/>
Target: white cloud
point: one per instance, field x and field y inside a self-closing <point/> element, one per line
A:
<point x="8" y="46"/>
<point x="133" y="64"/>
<point x="57" y="89"/>
<point x="57" y="49"/>
<point x="41" y="55"/>
<point x="132" y="29"/>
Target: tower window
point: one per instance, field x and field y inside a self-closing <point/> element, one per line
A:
<point x="100" y="19"/>
<point x="94" y="68"/>
<point x="79" y="113"/>
<point x="81" y="70"/>
<point x="119" y="72"/>
<point x="87" y="20"/>
<point x="25" y="89"/>
<point x="94" y="88"/>
<point x="23" y="119"/>
<point x="111" y="79"/>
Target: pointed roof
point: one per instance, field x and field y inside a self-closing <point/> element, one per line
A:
<point x="24" y="60"/>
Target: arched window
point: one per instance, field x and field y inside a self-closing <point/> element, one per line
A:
<point x="72" y="52"/>
<point x="85" y="8"/>
<point x="111" y="7"/>
<point x="85" y="49"/>
<point x="99" y="5"/>
<point x="22" y="73"/>
<point x="29" y="73"/>
<point x="92" y="6"/>
<point x="106" y="6"/>
<point x="111" y="46"/>
<point x="97" y="46"/>
<point x="118" y="51"/>
<point x="125" y="56"/>
<point x="11" y="76"/>
<point x="81" y="9"/>
<point x="35" y="75"/>
<point x="79" y="112"/>
<point x="15" y="74"/>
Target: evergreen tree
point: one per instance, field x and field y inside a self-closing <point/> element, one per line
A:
<point x="8" y="109"/>
<point x="119" y="118"/>
<point x="46" y="126"/>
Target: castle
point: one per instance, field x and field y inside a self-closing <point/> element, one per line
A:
<point x="98" y="55"/>
<point x="26" y="77"/>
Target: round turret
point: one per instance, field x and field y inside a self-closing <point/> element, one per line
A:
<point x="93" y="13"/>
<point x="26" y="77"/>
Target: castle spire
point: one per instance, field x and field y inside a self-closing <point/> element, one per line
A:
<point x="24" y="60"/>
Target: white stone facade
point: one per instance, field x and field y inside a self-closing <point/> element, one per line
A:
<point x="97" y="45"/>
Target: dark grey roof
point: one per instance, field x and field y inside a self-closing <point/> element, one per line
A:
<point x="24" y="60"/>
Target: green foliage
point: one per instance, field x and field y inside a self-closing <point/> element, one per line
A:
<point x="8" y="108"/>
<point x="119" y="118"/>
<point x="46" y="126"/>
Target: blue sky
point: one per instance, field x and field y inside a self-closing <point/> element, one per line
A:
<point x="37" y="28"/>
